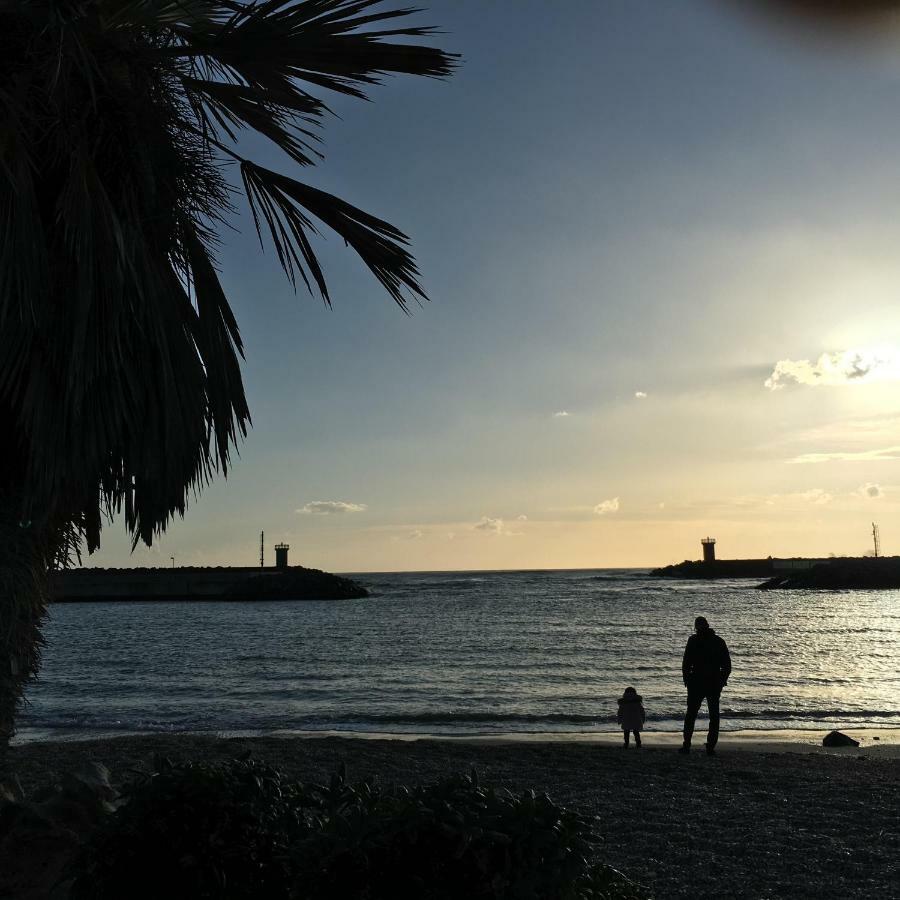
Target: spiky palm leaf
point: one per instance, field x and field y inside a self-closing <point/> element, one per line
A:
<point x="120" y="130"/>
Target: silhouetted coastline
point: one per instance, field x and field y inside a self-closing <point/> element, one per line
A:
<point x="187" y="583"/>
<point x="869" y="573"/>
<point x="720" y="568"/>
<point x="866" y="573"/>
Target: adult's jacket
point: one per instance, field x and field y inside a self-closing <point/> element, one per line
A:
<point x="706" y="662"/>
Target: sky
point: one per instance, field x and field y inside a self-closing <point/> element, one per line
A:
<point x="661" y="243"/>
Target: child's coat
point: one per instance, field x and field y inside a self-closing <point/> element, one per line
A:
<point x="631" y="715"/>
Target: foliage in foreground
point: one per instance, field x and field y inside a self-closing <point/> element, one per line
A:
<point x="240" y="830"/>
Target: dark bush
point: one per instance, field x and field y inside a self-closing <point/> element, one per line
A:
<point x="238" y="830"/>
<point x="199" y="831"/>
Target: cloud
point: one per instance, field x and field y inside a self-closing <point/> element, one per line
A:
<point x="842" y="367"/>
<point x="415" y="535"/>
<point x="607" y="506"/>
<point x="816" y="495"/>
<point x="521" y="518"/>
<point x="485" y="523"/>
<point x="330" y="508"/>
<point x="495" y="526"/>
<point x="562" y="414"/>
<point x="871" y="491"/>
<point x="848" y="456"/>
<point x="640" y="395"/>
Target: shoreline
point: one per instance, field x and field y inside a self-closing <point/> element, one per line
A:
<point x="883" y="742"/>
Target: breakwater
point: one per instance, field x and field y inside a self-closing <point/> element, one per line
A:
<point x="879" y="573"/>
<point x="719" y="568"/>
<point x="856" y="573"/>
<point x="234" y="583"/>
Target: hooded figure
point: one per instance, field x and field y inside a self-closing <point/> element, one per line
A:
<point x="631" y="715"/>
<point x="705" y="668"/>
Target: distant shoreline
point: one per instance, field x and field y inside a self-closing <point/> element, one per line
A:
<point x="838" y="573"/>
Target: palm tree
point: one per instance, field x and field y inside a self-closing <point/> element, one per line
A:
<point x="120" y="150"/>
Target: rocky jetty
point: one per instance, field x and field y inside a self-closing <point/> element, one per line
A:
<point x="297" y="583"/>
<point x="846" y="573"/>
<point x="719" y="568"/>
<point x="234" y="583"/>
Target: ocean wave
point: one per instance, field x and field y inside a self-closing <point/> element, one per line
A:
<point x="435" y="717"/>
<point x="452" y="718"/>
<point x="460" y="723"/>
<point x="812" y="714"/>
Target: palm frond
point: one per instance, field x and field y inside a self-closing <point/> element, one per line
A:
<point x="120" y="126"/>
<point x="229" y="108"/>
<point x="276" y="42"/>
<point x="219" y="345"/>
<point x="278" y="200"/>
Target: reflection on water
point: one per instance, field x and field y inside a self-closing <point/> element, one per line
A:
<point x="462" y="653"/>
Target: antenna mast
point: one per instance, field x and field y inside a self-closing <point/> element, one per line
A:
<point x="262" y="558"/>
<point x="876" y="537"/>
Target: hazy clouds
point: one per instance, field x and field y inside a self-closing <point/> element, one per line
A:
<point x="330" y="508"/>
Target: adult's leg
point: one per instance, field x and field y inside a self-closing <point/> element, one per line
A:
<point x="712" y="702"/>
<point x="695" y="698"/>
<point x="627" y="734"/>
<point x="637" y="739"/>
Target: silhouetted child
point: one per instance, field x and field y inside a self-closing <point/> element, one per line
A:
<point x="631" y="715"/>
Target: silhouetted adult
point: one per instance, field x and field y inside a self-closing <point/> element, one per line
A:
<point x="705" y="669"/>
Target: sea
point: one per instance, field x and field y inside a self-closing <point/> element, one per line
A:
<point x="465" y="653"/>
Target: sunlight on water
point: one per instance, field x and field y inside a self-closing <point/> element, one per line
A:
<point x="460" y="653"/>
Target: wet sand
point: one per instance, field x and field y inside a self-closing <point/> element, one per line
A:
<point x="766" y="817"/>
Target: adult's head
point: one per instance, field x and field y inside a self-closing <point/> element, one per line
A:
<point x="701" y="626"/>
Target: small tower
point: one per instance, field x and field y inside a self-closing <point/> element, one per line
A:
<point x="709" y="549"/>
<point x="281" y="552"/>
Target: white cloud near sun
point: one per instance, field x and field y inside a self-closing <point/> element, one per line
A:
<point x="562" y="414"/>
<point x="839" y="368"/>
<point x="847" y="456"/>
<point x="492" y="526"/>
<point x="330" y="508"/>
<point x="604" y="507"/>
<point x="640" y="395"/>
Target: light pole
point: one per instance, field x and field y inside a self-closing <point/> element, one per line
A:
<point x="173" y="561"/>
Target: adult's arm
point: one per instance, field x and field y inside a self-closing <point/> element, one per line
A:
<point x="686" y="663"/>
<point x="726" y="664"/>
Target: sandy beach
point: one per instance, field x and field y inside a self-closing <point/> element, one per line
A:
<point x="772" y="815"/>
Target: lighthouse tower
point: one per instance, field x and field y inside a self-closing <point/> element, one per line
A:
<point x="709" y="549"/>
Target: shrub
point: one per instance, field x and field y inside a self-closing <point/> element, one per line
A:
<point x="194" y="830"/>
<point x="238" y="830"/>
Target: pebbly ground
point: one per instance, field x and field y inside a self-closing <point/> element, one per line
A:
<point x="744" y="824"/>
